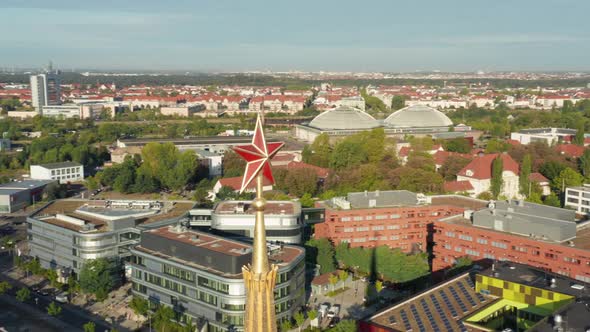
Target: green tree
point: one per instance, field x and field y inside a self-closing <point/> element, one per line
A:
<point x="551" y="169"/>
<point x="286" y="325"/>
<point x="23" y="294"/>
<point x="298" y="181"/>
<point x="495" y="146"/>
<point x="299" y="319"/>
<point x="97" y="277"/>
<point x="497" y="181"/>
<point x="451" y="166"/>
<point x="584" y="162"/>
<point x="321" y="252"/>
<point x="346" y="325"/>
<point x="233" y="164"/>
<point x="567" y="178"/>
<point x="312" y="314"/>
<point x="552" y="200"/>
<point x="307" y="200"/>
<point x="398" y="102"/>
<point x="140" y="306"/>
<point x="4" y="287"/>
<point x="163" y="318"/>
<point x="343" y="276"/>
<point x="525" y="172"/>
<point x="321" y="151"/>
<point x="89" y="327"/>
<point x="54" y="191"/>
<point x="333" y="280"/>
<point x="54" y="310"/>
<point x="378" y="286"/>
<point x="460" y="145"/>
<point x="579" y="137"/>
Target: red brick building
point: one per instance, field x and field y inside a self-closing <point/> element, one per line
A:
<point x="398" y="219"/>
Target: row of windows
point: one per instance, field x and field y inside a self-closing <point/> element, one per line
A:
<point x="472" y="252"/>
<point x="386" y="216"/>
<point x="499" y="245"/>
<point x="178" y="273"/>
<point x="213" y="285"/>
<point x="165" y="283"/>
<point x="72" y="170"/>
<point x="465" y="237"/>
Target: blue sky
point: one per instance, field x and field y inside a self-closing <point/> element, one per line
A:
<point x="237" y="35"/>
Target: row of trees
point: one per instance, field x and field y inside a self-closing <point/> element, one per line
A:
<point x="160" y="166"/>
<point x="383" y="262"/>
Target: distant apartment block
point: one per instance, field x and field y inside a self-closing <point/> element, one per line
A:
<point x="199" y="275"/>
<point x="578" y="198"/>
<point x="63" y="172"/>
<point x="45" y="90"/>
<point x="550" y="136"/>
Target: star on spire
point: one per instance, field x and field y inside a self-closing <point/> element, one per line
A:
<point x="258" y="156"/>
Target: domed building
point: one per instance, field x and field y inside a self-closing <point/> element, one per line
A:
<point x="418" y="119"/>
<point x="341" y="121"/>
<point x="413" y="120"/>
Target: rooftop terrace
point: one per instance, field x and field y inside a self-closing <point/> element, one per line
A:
<point x="245" y="207"/>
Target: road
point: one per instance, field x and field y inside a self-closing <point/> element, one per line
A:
<point x="70" y="314"/>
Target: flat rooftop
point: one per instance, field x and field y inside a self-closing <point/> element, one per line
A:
<point x="186" y="141"/>
<point x="272" y="207"/>
<point x="17" y="186"/>
<point x="101" y="213"/>
<point x="467" y="203"/>
<point x="205" y="251"/>
<point x="439" y="308"/>
<point x="529" y="276"/>
<point x="60" y="165"/>
<point x="581" y="241"/>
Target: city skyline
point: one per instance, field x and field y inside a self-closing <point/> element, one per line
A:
<point x="376" y="37"/>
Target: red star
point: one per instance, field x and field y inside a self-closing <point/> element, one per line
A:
<point x="258" y="155"/>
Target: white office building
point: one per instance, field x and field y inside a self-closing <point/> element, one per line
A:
<point x="45" y="90"/>
<point x="578" y="198"/>
<point x="63" y="172"/>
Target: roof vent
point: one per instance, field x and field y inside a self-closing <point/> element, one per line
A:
<point x="553" y="283"/>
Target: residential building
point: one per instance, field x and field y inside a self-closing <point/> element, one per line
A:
<point x="282" y="220"/>
<point x="537" y="235"/>
<point x="45" y="90"/>
<point x="199" y="275"/>
<point x="20" y="194"/>
<point x="479" y="173"/>
<point x="550" y="136"/>
<point x="64" y="172"/>
<point x="66" y="233"/>
<point x="235" y="183"/>
<point x="212" y="161"/>
<point x="398" y="219"/>
<point x="505" y="296"/>
<point x="578" y="198"/>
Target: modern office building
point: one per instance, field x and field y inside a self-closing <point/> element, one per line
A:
<point x="550" y="136"/>
<point x="578" y="198"/>
<point x="66" y="233"/>
<point x="20" y="194"/>
<point x="200" y="276"/>
<point x="398" y="219"/>
<point x="45" y="90"/>
<point x="537" y="235"/>
<point x="236" y="219"/>
<point x="64" y="172"/>
<point x="504" y="297"/>
<point x="62" y="111"/>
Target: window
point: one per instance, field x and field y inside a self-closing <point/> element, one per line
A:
<point x="348" y="229"/>
<point x="178" y="273"/>
<point x="499" y="245"/>
<point x="395" y="216"/>
<point x="482" y="241"/>
<point x="448" y="246"/>
<point x="233" y="307"/>
<point x="394" y="237"/>
<point x="207" y="298"/>
<point x="378" y="228"/>
<point x="358" y="218"/>
<point x="369" y="218"/>
<point x="214" y="285"/>
<point x="450" y="234"/>
<point x="362" y="229"/>
<point x="360" y="239"/>
<point x="345" y="219"/>
<point x="458" y="249"/>
<point x="472" y="252"/>
<point x="381" y="217"/>
<point x="393" y="227"/>
<point x="465" y="237"/>
<point x="489" y="256"/>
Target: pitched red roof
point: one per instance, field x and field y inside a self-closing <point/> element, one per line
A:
<point x="457" y="186"/>
<point x="537" y="177"/>
<point x="236" y="183"/>
<point x="320" y="171"/>
<point x="513" y="142"/>
<point x="322" y="279"/>
<point x="481" y="167"/>
<point x="404" y="151"/>
<point x="571" y="150"/>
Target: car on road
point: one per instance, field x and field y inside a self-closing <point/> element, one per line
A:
<point x="62" y="298"/>
<point x="333" y="312"/>
<point x="43" y="292"/>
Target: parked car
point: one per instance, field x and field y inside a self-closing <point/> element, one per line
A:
<point x="324" y="307"/>
<point x="334" y="321"/>
<point x="334" y="311"/>
<point x="62" y="298"/>
<point x="43" y="292"/>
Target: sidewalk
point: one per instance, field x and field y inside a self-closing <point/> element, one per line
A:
<point x="35" y="314"/>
